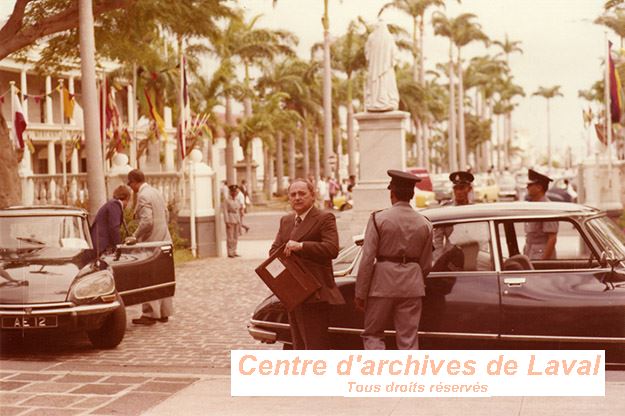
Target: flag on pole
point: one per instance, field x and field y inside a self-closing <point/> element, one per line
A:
<point x="616" y="101"/>
<point x="68" y="103"/>
<point x="19" y="122"/>
<point x="160" y="124"/>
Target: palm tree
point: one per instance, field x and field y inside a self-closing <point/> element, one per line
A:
<point x="548" y="93"/>
<point x="615" y="21"/>
<point x="240" y="42"/>
<point x="348" y="56"/>
<point x="463" y="31"/>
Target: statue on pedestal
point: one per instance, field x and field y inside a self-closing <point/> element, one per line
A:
<point x="382" y="54"/>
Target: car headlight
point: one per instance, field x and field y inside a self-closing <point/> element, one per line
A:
<point x="91" y="286"/>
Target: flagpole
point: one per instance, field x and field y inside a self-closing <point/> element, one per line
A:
<point x="608" y="121"/>
<point x="135" y="108"/>
<point x="63" y="151"/>
<point x="11" y="92"/>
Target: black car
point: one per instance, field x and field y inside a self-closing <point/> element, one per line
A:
<point x="498" y="297"/>
<point x="52" y="280"/>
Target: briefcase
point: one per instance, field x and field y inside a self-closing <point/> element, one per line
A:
<point x="287" y="279"/>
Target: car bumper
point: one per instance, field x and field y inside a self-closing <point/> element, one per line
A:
<point x="67" y="315"/>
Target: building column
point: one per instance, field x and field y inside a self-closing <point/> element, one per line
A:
<point x="49" y="119"/>
<point x="70" y="88"/>
<point x="51" y="191"/>
<point x="24" y="89"/>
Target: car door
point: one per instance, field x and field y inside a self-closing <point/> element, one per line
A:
<point x="566" y="298"/>
<point x="462" y="293"/>
<point x="144" y="271"/>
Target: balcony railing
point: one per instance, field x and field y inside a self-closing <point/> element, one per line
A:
<point x="49" y="189"/>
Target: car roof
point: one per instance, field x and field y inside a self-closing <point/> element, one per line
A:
<point x="502" y="210"/>
<point x="45" y="210"/>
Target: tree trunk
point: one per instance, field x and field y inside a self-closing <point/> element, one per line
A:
<point x="230" y="173"/>
<point x="291" y="156"/>
<point x="10" y="190"/>
<point x="305" y="150"/>
<point x="280" y="165"/>
<point x="453" y="160"/>
<point x="267" y="171"/>
<point x="327" y="103"/>
<point x="461" y="129"/>
<point x="248" y="170"/>
<point x="95" y="176"/>
<point x="316" y="161"/>
<point x="351" y="140"/>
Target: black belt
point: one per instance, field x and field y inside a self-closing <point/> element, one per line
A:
<point x="398" y="259"/>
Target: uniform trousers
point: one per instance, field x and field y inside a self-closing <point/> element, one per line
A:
<point x="309" y="326"/>
<point x="233" y="230"/>
<point x="160" y="308"/>
<point x="404" y="313"/>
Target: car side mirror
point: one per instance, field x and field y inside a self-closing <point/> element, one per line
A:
<point x="608" y="259"/>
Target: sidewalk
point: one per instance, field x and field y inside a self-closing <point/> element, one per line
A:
<point x="211" y="395"/>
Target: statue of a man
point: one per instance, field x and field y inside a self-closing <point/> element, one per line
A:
<point x="381" y="88"/>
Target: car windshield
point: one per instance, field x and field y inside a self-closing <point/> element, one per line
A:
<point x="60" y="231"/>
<point x="609" y="235"/>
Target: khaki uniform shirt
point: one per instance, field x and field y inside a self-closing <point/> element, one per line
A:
<point x="401" y="231"/>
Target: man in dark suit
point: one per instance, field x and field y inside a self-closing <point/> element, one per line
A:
<point x="105" y="230"/>
<point x="311" y="235"/>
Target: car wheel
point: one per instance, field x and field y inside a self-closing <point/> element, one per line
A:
<point x="111" y="333"/>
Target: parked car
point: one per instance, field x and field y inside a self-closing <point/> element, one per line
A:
<point x="52" y="280"/>
<point x="507" y="187"/>
<point x="422" y="173"/>
<point x="498" y="298"/>
<point x="485" y="188"/>
<point x="443" y="187"/>
<point x="562" y="190"/>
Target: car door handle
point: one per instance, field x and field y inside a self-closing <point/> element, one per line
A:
<point x="514" y="281"/>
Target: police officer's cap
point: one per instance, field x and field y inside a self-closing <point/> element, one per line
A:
<point x="461" y="177"/>
<point x="401" y="179"/>
<point x="536" y="177"/>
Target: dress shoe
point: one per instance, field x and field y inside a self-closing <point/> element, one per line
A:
<point x="164" y="319"/>
<point x="237" y="255"/>
<point x="144" y="320"/>
<point x="231" y="255"/>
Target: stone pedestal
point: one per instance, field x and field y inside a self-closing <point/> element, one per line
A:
<point x="118" y="173"/>
<point x="204" y="212"/>
<point x="600" y="188"/>
<point x="382" y="147"/>
<point x="206" y="245"/>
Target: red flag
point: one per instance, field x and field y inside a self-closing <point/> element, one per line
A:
<point x="616" y="104"/>
<point x="19" y="122"/>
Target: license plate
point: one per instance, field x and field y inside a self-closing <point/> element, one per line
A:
<point x="30" y="322"/>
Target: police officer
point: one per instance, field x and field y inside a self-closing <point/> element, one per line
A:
<point x="463" y="186"/>
<point x="396" y="258"/>
<point x="540" y="236"/>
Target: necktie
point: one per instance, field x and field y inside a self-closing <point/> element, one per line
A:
<point x="298" y="221"/>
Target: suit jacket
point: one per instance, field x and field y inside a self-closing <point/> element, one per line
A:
<point x="232" y="210"/>
<point x="105" y="231"/>
<point x="320" y="241"/>
<point x="151" y="211"/>
<point x="401" y="232"/>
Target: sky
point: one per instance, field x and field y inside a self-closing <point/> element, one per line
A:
<point x="561" y="46"/>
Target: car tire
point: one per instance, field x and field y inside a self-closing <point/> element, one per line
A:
<point x="111" y="333"/>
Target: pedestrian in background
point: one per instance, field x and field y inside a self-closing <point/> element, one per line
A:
<point x="396" y="258"/>
<point x="243" y="202"/>
<point x="311" y="235"/>
<point x="151" y="212"/>
<point x="233" y="211"/>
<point x="105" y="230"/>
